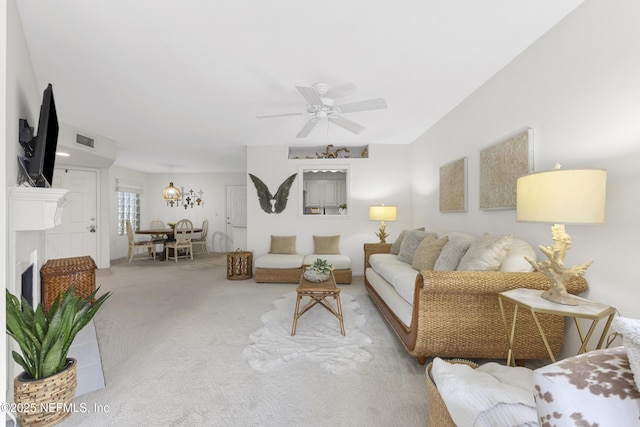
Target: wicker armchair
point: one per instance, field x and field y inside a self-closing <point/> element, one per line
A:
<point x="457" y="314"/>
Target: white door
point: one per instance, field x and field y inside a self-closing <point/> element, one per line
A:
<point x="77" y="234"/>
<point x="236" y="217"/>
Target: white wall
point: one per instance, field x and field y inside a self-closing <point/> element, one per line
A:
<point x="21" y="98"/>
<point x="578" y="87"/>
<point x="374" y="180"/>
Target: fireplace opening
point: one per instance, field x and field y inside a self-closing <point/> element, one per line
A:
<point x="27" y="284"/>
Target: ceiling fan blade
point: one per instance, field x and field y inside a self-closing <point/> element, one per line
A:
<point x="308" y="127"/>
<point x="310" y="95"/>
<point x="268" y="116"/>
<point x="347" y="124"/>
<point x="369" y="104"/>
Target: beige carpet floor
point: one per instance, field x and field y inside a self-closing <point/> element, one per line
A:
<point x="172" y="338"/>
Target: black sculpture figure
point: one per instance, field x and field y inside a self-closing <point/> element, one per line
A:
<point x="268" y="202"/>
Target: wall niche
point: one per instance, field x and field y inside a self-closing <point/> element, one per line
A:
<point x="329" y="152"/>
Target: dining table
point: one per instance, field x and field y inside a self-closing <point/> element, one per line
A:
<point x="169" y="232"/>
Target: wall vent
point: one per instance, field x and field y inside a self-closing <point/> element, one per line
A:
<point x="85" y="140"/>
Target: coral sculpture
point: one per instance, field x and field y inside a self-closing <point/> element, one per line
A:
<point x="553" y="268"/>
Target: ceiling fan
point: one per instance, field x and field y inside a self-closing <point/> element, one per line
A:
<point x="321" y="107"/>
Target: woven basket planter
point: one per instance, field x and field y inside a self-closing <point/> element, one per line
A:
<point x="46" y="401"/>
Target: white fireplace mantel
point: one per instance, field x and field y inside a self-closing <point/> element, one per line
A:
<point x="35" y="208"/>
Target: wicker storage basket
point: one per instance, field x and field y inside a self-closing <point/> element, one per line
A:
<point x="46" y="401"/>
<point x="438" y="413"/>
<point x="58" y="275"/>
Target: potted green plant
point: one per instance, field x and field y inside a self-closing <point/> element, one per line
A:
<point x="319" y="271"/>
<point x="44" y="391"/>
<point x="342" y="209"/>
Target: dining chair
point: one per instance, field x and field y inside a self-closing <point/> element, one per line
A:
<point x="157" y="224"/>
<point x="148" y="246"/>
<point x="201" y="242"/>
<point x="182" y="234"/>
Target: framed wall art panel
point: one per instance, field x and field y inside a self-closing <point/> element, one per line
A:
<point x="500" y="166"/>
<point x="453" y="186"/>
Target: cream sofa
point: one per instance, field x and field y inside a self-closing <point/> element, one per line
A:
<point x="284" y="265"/>
<point x="442" y="311"/>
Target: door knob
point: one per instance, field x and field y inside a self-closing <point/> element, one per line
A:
<point x="92" y="228"/>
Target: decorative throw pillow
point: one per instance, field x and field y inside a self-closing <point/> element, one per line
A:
<point x="515" y="261"/>
<point x="451" y="254"/>
<point x="283" y="245"/>
<point x="486" y="253"/>
<point x="395" y="246"/>
<point x="630" y="330"/>
<point x="326" y="245"/>
<point x="410" y="242"/>
<point x="427" y="253"/>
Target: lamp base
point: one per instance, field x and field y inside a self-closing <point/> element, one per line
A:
<point x="382" y="234"/>
<point x="559" y="296"/>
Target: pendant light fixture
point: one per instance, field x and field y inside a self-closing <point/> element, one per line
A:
<point x="171" y="193"/>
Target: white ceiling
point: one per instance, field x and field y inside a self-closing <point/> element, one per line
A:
<point x="178" y="84"/>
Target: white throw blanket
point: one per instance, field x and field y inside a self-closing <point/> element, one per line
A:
<point x="490" y="395"/>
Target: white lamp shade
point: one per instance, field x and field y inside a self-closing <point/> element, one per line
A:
<point x="562" y="196"/>
<point x="382" y="213"/>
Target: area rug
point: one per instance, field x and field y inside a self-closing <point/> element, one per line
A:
<point x="317" y="341"/>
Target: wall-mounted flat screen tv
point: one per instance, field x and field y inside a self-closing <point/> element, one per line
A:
<point x="40" y="150"/>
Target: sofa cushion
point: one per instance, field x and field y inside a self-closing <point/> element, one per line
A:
<point x="515" y="261"/>
<point x="410" y="242"/>
<point x="397" y="273"/>
<point x="427" y="253"/>
<point x="486" y="253"/>
<point x="275" y="261"/>
<point x="395" y="246"/>
<point x="326" y="244"/>
<point x="283" y="245"/>
<point x="339" y="262"/>
<point x="452" y="252"/>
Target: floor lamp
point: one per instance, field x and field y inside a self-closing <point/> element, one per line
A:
<point x="561" y="196"/>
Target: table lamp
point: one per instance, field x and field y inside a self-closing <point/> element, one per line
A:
<point x="382" y="213"/>
<point x="561" y="196"/>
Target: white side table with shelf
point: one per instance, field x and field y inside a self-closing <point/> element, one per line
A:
<point x="530" y="299"/>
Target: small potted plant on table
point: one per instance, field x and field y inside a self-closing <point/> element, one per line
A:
<point x="319" y="271"/>
<point x="44" y="391"/>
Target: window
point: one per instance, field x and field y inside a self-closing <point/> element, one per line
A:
<point x="128" y="204"/>
<point x="128" y="210"/>
<point x="324" y="190"/>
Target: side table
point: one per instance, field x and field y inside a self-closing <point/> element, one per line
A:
<point x="530" y="299"/>
<point x="239" y="265"/>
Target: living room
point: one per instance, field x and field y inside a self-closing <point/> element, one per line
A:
<point x="577" y="87"/>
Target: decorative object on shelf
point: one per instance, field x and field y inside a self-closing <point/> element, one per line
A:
<point x="321" y="107"/>
<point x="268" y="202"/>
<point x="572" y="196"/>
<point x="319" y="271"/>
<point x="500" y="166"/>
<point x="453" y="186"/>
<point x="342" y="209"/>
<point x="44" y="391"/>
<point x="382" y="213"/>
<point x="330" y="152"/>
